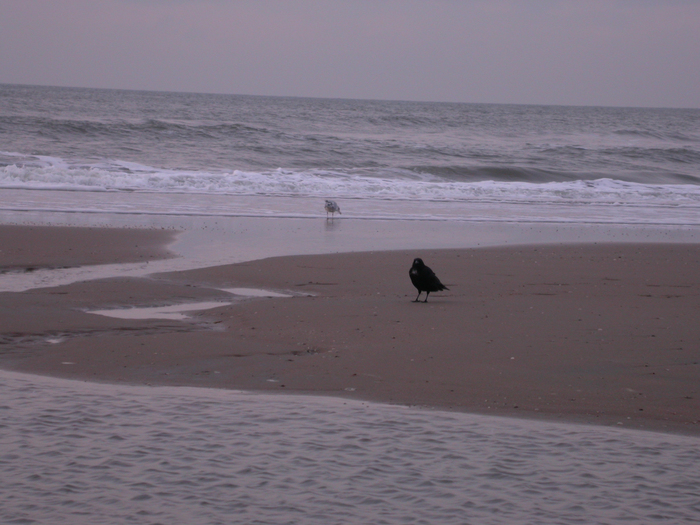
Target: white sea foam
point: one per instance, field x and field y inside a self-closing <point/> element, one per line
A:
<point x="54" y="173"/>
<point x="414" y="197"/>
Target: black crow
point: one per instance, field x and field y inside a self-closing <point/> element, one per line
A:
<point x="332" y="207"/>
<point x="424" y="279"/>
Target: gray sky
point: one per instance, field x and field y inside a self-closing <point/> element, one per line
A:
<point x="581" y="52"/>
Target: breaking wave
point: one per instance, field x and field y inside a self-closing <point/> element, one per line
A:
<point x="47" y="173"/>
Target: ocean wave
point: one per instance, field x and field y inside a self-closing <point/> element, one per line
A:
<point x="119" y="127"/>
<point x="461" y="173"/>
<point x="658" y="135"/>
<point x="650" y="156"/>
<point x="50" y="173"/>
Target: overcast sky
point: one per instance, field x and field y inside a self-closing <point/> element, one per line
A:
<point x="581" y="52"/>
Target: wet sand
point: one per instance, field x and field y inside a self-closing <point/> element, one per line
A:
<point x="603" y="333"/>
<point x="29" y="248"/>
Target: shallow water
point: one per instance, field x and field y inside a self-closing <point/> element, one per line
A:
<point x="174" y="312"/>
<point x="214" y="241"/>
<point x="179" y="312"/>
<point x="255" y="292"/>
<point x="84" y="453"/>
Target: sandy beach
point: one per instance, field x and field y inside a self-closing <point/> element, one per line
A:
<point x="603" y="333"/>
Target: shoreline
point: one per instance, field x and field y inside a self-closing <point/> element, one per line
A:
<point x="596" y="333"/>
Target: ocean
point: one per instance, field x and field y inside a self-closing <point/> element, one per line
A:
<point x="245" y="177"/>
<point x="379" y="159"/>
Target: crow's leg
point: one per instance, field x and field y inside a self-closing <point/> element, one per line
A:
<point x="426" y="297"/>
<point x="417" y="296"/>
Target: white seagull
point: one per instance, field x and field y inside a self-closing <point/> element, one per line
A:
<point x="332" y="207"/>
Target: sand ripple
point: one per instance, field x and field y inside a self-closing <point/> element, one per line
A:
<point x="89" y="454"/>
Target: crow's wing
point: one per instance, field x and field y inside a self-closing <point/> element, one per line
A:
<point x="432" y="282"/>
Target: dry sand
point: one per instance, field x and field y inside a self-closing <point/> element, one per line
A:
<point x="607" y="333"/>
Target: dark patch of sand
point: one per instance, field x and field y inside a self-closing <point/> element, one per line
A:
<point x="28" y="248"/>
